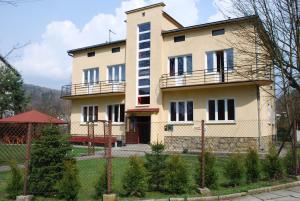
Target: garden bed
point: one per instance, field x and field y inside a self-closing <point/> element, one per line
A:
<point x="89" y="172"/>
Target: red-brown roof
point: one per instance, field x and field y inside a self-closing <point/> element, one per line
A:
<point x="32" y="116"/>
<point x="150" y="110"/>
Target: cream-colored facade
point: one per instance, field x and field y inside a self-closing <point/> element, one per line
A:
<point x="182" y="64"/>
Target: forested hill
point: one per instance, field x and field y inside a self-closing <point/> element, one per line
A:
<point x="47" y="100"/>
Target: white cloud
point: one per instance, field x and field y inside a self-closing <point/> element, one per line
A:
<point x="46" y="62"/>
<point x="223" y="10"/>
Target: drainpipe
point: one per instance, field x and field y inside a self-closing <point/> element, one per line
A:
<point x="258" y="116"/>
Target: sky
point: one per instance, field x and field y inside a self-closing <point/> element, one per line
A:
<point x="51" y="27"/>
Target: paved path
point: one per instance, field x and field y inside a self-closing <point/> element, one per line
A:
<point x="290" y="194"/>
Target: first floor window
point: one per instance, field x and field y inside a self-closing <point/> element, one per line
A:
<point x="180" y="65"/>
<point x="116" y="113"/>
<point x="181" y="111"/>
<point x="91" y="76"/>
<point x="89" y="113"/>
<point x="221" y="110"/>
<point x="116" y="73"/>
<point x="219" y="59"/>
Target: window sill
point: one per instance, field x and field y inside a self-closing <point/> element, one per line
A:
<point x="117" y="123"/>
<point x="181" y="122"/>
<point x="85" y="124"/>
<point x="220" y="122"/>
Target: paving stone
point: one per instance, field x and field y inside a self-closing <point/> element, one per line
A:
<point x="267" y="196"/>
<point x="286" y="193"/>
<point x="286" y="199"/>
<point x="295" y="189"/>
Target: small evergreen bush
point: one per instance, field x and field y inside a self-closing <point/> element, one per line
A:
<point x="156" y="165"/>
<point x="135" y="178"/>
<point x="234" y="169"/>
<point x="68" y="186"/>
<point x="252" y="165"/>
<point x="288" y="162"/>
<point x="47" y="161"/>
<point x="101" y="185"/>
<point x="211" y="176"/>
<point x="176" y="175"/>
<point x="15" y="183"/>
<point x="272" y="165"/>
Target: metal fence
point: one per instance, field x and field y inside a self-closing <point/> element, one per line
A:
<point x="105" y="145"/>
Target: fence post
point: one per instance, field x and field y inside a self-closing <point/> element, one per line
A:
<point x="202" y="155"/>
<point x="109" y="158"/>
<point x="27" y="158"/>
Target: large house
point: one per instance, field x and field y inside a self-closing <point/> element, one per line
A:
<point x="164" y="78"/>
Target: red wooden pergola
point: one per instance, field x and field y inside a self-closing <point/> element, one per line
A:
<point x="31" y="119"/>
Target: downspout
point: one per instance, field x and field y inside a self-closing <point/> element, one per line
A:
<point x="257" y="91"/>
<point x="258" y="116"/>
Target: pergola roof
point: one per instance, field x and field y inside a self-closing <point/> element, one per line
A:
<point x="32" y="116"/>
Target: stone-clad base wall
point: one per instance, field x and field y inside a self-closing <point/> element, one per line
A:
<point x="215" y="144"/>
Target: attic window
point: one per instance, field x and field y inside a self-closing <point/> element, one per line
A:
<point x="91" y="54"/>
<point x="218" y="32"/>
<point x="179" y="38"/>
<point x="115" y="49"/>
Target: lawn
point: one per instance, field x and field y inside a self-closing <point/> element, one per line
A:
<point x="89" y="172"/>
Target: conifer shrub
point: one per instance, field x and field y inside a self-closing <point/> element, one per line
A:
<point x="156" y="165"/>
<point x="176" y="175"/>
<point x="68" y="186"/>
<point x="252" y="166"/>
<point x="48" y="154"/>
<point x="135" y="178"/>
<point x="272" y="165"/>
<point x="211" y="175"/>
<point x="15" y="182"/>
<point x="101" y="184"/>
<point x="288" y="162"/>
<point x="234" y="169"/>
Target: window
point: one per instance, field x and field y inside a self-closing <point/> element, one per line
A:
<point x="219" y="59"/>
<point x="115" y="49"/>
<point x="179" y="38"/>
<point x="91" y="76"/>
<point x="91" y="54"/>
<point x="143" y="68"/>
<point x="116" y="73"/>
<point x="181" y="111"/>
<point x="221" y="110"/>
<point x="89" y="113"/>
<point x="116" y="113"/>
<point x="218" y="32"/>
<point x="180" y="65"/>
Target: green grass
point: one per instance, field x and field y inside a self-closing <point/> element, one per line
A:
<point x="89" y="171"/>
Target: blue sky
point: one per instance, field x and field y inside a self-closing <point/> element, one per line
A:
<point x="54" y="26"/>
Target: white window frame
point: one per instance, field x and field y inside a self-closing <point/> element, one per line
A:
<point x="82" y="117"/>
<point x="216" y="110"/>
<point x="119" y="67"/>
<point x="89" y="75"/>
<point x="215" y="61"/>
<point x="177" y="112"/>
<point x="176" y="65"/>
<point x="147" y="67"/>
<point x="113" y="113"/>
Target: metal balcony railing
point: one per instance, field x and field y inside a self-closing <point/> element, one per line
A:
<point x="259" y="74"/>
<point x="92" y="88"/>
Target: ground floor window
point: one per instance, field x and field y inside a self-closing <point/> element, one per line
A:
<point x="89" y="113"/>
<point x="221" y="110"/>
<point x="181" y="111"/>
<point x="116" y="113"/>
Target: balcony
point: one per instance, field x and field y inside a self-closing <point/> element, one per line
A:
<point x="239" y="75"/>
<point x="101" y="88"/>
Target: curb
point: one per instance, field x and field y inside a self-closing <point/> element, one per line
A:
<point x="234" y="195"/>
